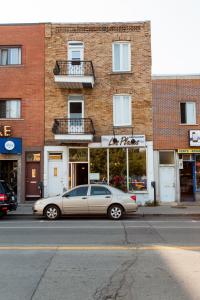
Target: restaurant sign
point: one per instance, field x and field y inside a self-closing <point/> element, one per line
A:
<point x="123" y="141"/>
<point x="5" y="131"/>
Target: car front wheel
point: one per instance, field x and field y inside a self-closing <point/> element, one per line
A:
<point x="52" y="212"/>
<point x="115" y="212"/>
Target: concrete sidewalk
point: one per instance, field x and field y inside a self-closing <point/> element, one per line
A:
<point x="170" y="209"/>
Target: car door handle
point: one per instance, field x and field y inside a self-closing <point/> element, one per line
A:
<point x="84" y="197"/>
<point x="107" y="196"/>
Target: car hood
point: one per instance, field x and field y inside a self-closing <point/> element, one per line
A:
<point x="55" y="199"/>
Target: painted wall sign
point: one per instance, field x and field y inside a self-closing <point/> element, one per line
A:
<point x="188" y="151"/>
<point x="123" y="141"/>
<point x="194" y="137"/>
<point x="10" y="145"/>
<point x="5" y="130"/>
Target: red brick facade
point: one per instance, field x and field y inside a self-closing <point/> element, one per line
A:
<point x="168" y="93"/>
<point x="25" y="82"/>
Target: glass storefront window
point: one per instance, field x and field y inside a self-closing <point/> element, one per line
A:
<point x="166" y="157"/>
<point x="137" y="169"/>
<point x="197" y="172"/>
<point x="98" y="165"/>
<point x="117" y="168"/>
<point x="78" y="154"/>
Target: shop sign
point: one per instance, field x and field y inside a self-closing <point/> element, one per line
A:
<point x="5" y="130"/>
<point x="188" y="151"/>
<point x="94" y="176"/>
<point x="10" y="146"/>
<point x="194" y="136"/>
<point x="123" y="141"/>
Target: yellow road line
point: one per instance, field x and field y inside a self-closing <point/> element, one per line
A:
<point x="99" y="248"/>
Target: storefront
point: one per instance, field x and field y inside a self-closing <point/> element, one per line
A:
<point x="125" y="162"/>
<point x="177" y="172"/>
<point x="10" y="159"/>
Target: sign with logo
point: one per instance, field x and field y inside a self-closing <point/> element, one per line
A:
<point x="123" y="141"/>
<point x="5" y="130"/>
<point x="10" y="146"/>
<point x="194" y="137"/>
<point x="188" y="151"/>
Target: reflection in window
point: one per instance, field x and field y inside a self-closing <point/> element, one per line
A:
<point x="166" y="157"/>
<point x="98" y="165"/>
<point x="137" y="170"/>
<point x="77" y="155"/>
<point x="80" y="191"/>
<point x="117" y="165"/>
<point x="99" y="190"/>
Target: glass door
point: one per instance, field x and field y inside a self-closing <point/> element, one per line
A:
<point x="75" y="56"/>
<point x="75" y="114"/>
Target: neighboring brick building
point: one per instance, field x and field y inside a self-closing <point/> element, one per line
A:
<point x="22" y="107"/>
<point x="98" y="90"/>
<point x="176" y="111"/>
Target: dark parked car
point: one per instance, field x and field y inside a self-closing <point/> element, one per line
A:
<point x="8" y="199"/>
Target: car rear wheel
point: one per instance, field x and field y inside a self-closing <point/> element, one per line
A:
<point x="52" y="212"/>
<point x="115" y="212"/>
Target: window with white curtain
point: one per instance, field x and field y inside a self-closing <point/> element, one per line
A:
<point x="188" y="112"/>
<point x="121" y="56"/>
<point x="122" y="110"/>
<point x="10" y="56"/>
<point x="10" y="109"/>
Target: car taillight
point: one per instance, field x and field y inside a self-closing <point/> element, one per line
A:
<point x="133" y="198"/>
<point x="3" y="197"/>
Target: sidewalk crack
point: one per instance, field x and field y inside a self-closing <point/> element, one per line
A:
<point x="43" y="274"/>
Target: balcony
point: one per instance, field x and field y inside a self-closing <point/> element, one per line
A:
<point x="73" y="130"/>
<point x="74" y="74"/>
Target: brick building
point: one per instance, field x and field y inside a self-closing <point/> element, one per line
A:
<point x="176" y="111"/>
<point x="22" y="107"/>
<point x="98" y="106"/>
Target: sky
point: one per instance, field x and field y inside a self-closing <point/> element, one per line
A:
<point x="175" y="24"/>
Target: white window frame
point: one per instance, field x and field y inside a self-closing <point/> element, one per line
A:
<point x="75" y="45"/>
<point x="8" y="49"/>
<point x="186" y="112"/>
<point x="81" y="100"/>
<point x="121" y="56"/>
<point x="9" y="101"/>
<point x="130" y="110"/>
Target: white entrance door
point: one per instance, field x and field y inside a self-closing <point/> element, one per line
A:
<point x="55" y="178"/>
<point x="167" y="184"/>
<point x="75" y="56"/>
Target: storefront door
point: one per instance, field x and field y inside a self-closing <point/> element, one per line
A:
<point x="32" y="180"/>
<point x="167" y="183"/>
<point x="78" y="173"/>
<point x="186" y="181"/>
<point x="55" y="177"/>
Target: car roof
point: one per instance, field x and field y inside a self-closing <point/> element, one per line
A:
<point x="114" y="189"/>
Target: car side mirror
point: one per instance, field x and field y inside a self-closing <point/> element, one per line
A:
<point x="66" y="195"/>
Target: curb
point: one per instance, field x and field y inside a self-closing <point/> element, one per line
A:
<point x="143" y="215"/>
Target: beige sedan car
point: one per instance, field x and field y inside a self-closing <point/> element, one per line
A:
<point x="87" y="199"/>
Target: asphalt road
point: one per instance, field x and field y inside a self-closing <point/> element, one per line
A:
<point x="88" y="258"/>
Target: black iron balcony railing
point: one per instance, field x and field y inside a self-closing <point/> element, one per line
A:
<point x="74" y="68"/>
<point x="73" y="126"/>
